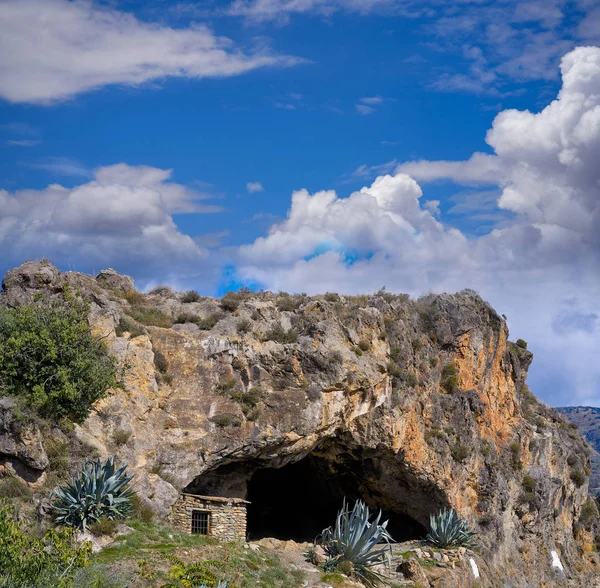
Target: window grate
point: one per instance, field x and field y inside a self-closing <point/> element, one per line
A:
<point x="200" y="522"/>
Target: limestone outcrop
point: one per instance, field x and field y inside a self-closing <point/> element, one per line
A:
<point x="412" y="405"/>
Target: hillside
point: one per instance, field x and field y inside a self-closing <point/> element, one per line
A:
<point x="587" y="418"/>
<point x="293" y="402"/>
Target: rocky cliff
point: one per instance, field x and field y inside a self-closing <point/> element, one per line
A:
<point x="413" y="405"/>
<point x="587" y="418"/>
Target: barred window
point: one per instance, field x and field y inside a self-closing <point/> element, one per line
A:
<point x="200" y="522"/>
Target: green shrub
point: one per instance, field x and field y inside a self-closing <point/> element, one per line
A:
<point x="430" y="316"/>
<point x="460" y="452"/>
<point x="141" y="510"/>
<point x="161" y="363"/>
<point x="395" y="354"/>
<point x="515" y="456"/>
<point x="134" y="297"/>
<point x="522" y="343"/>
<point x="204" y="323"/>
<point x="201" y="574"/>
<point x="450" y="380"/>
<point x="527" y="498"/>
<point x="99" y="576"/>
<point x="528" y="483"/>
<point x="417" y="345"/>
<point x="285" y="303"/>
<point x="11" y="487"/>
<point x="578" y="477"/>
<point x="100" y="491"/>
<point x="58" y="456"/>
<point x="249" y="402"/>
<point x="161" y="290"/>
<point x="185" y="317"/>
<point x="164" y="378"/>
<point x="150" y="316"/>
<point x="244" y="326"/>
<point x="190" y="296"/>
<point x="226" y="386"/>
<point x="126" y="325"/>
<point x="121" y="436"/>
<point x="26" y="561"/>
<point x="394" y="370"/>
<point x="589" y="513"/>
<point x="332" y="297"/>
<point x="103" y="527"/>
<point x="449" y="530"/>
<point x="357" y="543"/>
<point x="50" y="360"/>
<point x="232" y="300"/>
<point x="278" y="334"/>
<point x="226" y="420"/>
<point x="364" y="345"/>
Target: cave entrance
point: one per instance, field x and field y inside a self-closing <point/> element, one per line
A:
<point x="299" y="500"/>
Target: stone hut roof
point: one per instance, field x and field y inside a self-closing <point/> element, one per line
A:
<point x="220" y="499"/>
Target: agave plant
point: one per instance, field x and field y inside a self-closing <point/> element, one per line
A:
<point x="100" y="491"/>
<point x="351" y="545"/>
<point x="449" y="530"/>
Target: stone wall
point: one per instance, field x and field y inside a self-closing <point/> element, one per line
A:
<point x="227" y="516"/>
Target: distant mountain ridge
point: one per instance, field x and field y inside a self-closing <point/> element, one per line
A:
<point x="587" y="418"/>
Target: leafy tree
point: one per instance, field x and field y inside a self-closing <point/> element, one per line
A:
<point x="51" y="361"/>
<point x="27" y="561"/>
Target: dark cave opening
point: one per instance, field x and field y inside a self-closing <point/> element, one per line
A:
<point x="299" y="500"/>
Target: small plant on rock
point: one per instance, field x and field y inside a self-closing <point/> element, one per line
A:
<point x="450" y="380"/>
<point x="352" y="545"/>
<point x="280" y="335"/>
<point x="201" y="574"/>
<point x="101" y="491"/>
<point x="190" y="296"/>
<point x="449" y="530"/>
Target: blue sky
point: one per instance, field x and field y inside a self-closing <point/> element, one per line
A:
<point x="484" y="114"/>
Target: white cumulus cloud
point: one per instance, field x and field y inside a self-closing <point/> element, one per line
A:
<point x="540" y="267"/>
<point x="123" y="217"/>
<point x="54" y="49"/>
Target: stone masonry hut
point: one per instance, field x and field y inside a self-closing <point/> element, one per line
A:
<point x="221" y="518"/>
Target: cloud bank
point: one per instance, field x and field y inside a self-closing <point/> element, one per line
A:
<point x="51" y="50"/>
<point x="496" y="42"/>
<point x="123" y="218"/>
<point x="541" y="268"/>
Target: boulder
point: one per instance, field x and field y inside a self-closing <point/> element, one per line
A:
<point x="113" y="280"/>
<point x="20" y="440"/>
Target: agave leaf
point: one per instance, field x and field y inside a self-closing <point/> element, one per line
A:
<point x="99" y="491"/>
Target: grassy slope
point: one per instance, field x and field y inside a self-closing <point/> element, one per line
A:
<point x="150" y="543"/>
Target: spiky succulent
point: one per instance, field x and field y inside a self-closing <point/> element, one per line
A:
<point x="351" y="545"/>
<point x="100" y="491"/>
<point x="449" y="530"/>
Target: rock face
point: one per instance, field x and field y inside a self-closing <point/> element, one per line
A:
<point x="21" y="443"/>
<point x="587" y="418"/>
<point x="411" y="405"/>
<point x="113" y="280"/>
